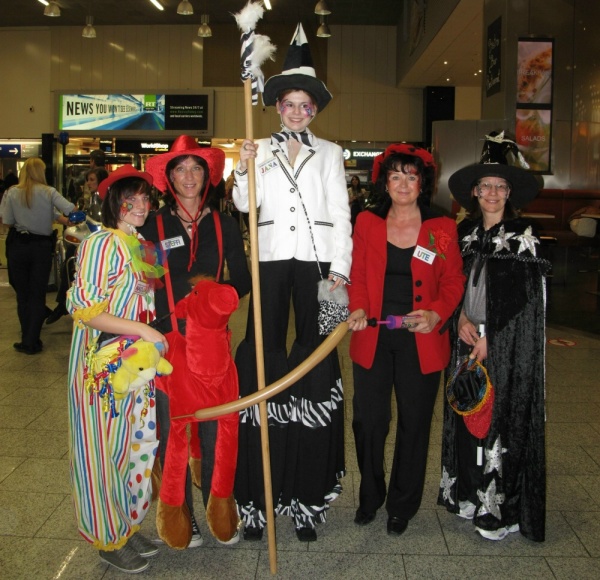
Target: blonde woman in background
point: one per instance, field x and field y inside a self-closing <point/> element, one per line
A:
<point x="29" y="211"/>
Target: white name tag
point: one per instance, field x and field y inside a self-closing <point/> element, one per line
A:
<point x="141" y="287"/>
<point x="268" y="165"/>
<point x="424" y="255"/>
<point x="172" y="243"/>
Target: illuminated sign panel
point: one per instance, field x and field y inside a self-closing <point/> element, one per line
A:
<point x="136" y="113"/>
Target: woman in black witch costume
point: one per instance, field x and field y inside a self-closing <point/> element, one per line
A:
<point x="501" y="323"/>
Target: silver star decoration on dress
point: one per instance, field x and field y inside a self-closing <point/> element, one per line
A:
<point x="468" y="240"/>
<point x="501" y="240"/>
<point x="446" y="483"/>
<point x="490" y="501"/>
<point x="493" y="457"/>
<point x="528" y="242"/>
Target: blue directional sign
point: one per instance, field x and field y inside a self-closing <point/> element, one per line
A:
<point x="10" y="150"/>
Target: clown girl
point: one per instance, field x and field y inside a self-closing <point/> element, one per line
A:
<point x="112" y="443"/>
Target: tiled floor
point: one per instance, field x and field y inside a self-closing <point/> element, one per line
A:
<point x="38" y="537"/>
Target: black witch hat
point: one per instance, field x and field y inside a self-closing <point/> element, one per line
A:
<point x="298" y="73"/>
<point x="496" y="155"/>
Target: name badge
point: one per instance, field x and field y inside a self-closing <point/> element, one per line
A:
<point x="172" y="243"/>
<point x="268" y="165"/>
<point x="424" y="255"/>
<point x="141" y="287"/>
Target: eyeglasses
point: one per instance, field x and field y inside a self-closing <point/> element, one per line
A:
<point x="502" y="189"/>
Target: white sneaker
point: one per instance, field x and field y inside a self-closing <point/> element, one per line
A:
<point x="234" y="540"/>
<point x="197" y="539"/>
<point x="467" y="510"/>
<point x="498" y="534"/>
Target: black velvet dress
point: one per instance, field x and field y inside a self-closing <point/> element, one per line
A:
<point x="510" y="486"/>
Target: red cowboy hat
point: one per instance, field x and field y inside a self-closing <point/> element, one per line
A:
<point x="186" y="145"/>
<point x="121" y="173"/>
<point x="402" y="149"/>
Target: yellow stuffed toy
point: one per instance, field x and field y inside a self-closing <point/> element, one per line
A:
<point x="140" y="363"/>
<point x="123" y="365"/>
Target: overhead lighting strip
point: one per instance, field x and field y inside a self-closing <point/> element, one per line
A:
<point x="157" y="4"/>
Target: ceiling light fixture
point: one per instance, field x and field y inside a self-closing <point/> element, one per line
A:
<point x="323" y="30"/>
<point x="267" y="4"/>
<point x="53" y="9"/>
<point x="185" y="8"/>
<point x="43" y="2"/>
<point x="322" y="9"/>
<point x="89" y="31"/>
<point x="204" y="31"/>
<point x="157" y="4"/>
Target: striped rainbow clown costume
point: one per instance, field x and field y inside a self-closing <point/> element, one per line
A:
<point x="111" y="451"/>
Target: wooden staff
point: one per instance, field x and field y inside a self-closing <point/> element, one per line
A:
<point x="258" y="334"/>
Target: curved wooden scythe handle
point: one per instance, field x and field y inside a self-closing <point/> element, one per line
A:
<point x="278" y="386"/>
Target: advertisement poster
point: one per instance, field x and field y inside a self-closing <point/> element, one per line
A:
<point x="533" y="135"/>
<point x="533" y="122"/>
<point x="134" y="113"/>
<point x="534" y="72"/>
<point x="493" y="69"/>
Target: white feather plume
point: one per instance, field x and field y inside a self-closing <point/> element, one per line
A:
<point x="249" y="15"/>
<point x="263" y="49"/>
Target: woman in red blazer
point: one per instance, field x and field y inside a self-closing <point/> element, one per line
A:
<point x="405" y="261"/>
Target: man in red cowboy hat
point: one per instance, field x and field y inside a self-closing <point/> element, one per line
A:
<point x="199" y="241"/>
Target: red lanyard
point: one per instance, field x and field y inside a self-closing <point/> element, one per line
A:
<point x="168" y="284"/>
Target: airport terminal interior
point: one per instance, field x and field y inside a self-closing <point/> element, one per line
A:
<point x="38" y="537"/>
<point x="38" y="534"/>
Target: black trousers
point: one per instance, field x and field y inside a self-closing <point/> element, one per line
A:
<point x="282" y="281"/>
<point x="29" y="260"/>
<point x="67" y="270"/>
<point x="396" y="365"/>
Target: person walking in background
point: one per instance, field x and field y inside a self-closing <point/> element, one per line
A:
<point x="30" y="243"/>
<point x="498" y="479"/>
<point x="97" y="159"/>
<point x="405" y="261"/>
<point x="112" y="441"/>
<point x="202" y="242"/>
<point x="304" y="234"/>
<point x="357" y="197"/>
<point x="10" y="180"/>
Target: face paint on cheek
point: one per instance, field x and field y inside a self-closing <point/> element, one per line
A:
<point x="126" y="207"/>
<point x="309" y="112"/>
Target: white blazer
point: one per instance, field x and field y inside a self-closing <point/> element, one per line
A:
<point x="317" y="181"/>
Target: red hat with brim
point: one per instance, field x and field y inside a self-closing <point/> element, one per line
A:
<point x="470" y="393"/>
<point x="187" y="146"/>
<point x="121" y="173"/>
<point x="401" y="149"/>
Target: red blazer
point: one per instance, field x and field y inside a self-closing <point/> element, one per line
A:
<point x="437" y="286"/>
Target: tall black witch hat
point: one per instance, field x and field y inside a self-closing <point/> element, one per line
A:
<point x="496" y="156"/>
<point x="298" y="73"/>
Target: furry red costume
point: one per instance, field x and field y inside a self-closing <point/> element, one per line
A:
<point x="204" y="375"/>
